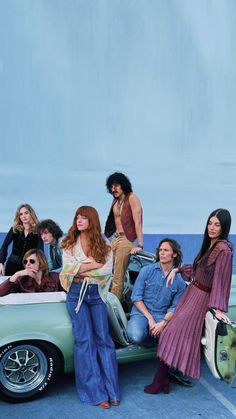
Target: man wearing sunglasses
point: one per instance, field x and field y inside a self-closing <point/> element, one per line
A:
<point x="33" y="278"/>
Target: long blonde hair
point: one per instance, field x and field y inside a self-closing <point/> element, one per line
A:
<point x="97" y="246"/>
<point x="18" y="225"/>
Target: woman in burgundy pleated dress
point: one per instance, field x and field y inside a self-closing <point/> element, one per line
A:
<point x="210" y="275"/>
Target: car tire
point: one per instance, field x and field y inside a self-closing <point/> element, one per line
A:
<point x="27" y="369"/>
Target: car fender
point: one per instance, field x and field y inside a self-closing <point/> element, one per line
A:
<point x="48" y="322"/>
<point x="66" y="351"/>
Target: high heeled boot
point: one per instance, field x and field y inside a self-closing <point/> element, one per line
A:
<point x="160" y="381"/>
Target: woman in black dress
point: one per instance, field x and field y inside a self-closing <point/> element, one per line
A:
<point x="23" y="236"/>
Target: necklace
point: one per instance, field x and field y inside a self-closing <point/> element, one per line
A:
<point x="120" y="206"/>
<point x="166" y="272"/>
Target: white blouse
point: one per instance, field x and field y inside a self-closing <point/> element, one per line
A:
<point x="73" y="258"/>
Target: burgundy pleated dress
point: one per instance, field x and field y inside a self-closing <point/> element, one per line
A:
<point x="180" y="342"/>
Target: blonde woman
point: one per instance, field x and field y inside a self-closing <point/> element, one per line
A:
<point x="23" y="236"/>
<point x="87" y="266"/>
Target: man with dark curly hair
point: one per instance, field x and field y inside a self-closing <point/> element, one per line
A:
<point x="50" y="233"/>
<point x="124" y="223"/>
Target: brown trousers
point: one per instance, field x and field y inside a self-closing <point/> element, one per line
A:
<point x="121" y="248"/>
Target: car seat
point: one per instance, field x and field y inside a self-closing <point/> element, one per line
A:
<point x="117" y="320"/>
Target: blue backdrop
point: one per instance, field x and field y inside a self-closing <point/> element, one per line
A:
<point x="145" y="87"/>
<point x="190" y="244"/>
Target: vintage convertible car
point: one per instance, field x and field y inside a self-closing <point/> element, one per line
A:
<point x="36" y="342"/>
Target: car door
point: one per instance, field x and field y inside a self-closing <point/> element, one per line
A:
<point x="219" y="346"/>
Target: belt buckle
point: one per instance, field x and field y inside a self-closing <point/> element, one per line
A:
<point x="117" y="234"/>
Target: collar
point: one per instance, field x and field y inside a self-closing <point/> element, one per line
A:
<point x="157" y="265"/>
<point x="166" y="276"/>
<point x="54" y="244"/>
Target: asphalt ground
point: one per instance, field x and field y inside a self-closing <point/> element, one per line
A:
<point x="208" y="398"/>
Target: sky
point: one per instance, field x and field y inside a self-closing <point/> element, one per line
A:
<point x="145" y="87"/>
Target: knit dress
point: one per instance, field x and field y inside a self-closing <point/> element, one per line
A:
<point x="180" y="342"/>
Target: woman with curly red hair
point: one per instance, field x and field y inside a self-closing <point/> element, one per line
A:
<point x="87" y="268"/>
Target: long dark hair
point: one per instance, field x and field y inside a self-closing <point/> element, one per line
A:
<point x="176" y="249"/>
<point x="119" y="179"/>
<point x="224" y="218"/>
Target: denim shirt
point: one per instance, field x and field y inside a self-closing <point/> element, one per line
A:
<point x="150" y="287"/>
<point x="55" y="257"/>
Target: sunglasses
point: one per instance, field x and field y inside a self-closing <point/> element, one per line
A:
<point x="32" y="261"/>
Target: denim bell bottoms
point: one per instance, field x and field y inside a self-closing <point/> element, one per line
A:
<point x="96" y="372"/>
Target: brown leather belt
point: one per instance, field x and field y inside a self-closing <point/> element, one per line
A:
<point x="78" y="280"/>
<point x="201" y="287"/>
<point x="116" y="234"/>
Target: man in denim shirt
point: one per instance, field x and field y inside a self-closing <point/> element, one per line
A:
<point x="154" y="303"/>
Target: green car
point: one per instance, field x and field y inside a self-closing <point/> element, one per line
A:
<point x="36" y="342"/>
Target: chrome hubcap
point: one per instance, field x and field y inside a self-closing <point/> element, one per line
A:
<point x="23" y="368"/>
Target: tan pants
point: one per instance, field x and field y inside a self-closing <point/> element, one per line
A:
<point x="121" y="248"/>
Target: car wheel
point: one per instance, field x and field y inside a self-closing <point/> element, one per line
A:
<point x="27" y="369"/>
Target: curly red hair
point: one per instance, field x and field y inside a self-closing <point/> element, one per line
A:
<point x="98" y="247"/>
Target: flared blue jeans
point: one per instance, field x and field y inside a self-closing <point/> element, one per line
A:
<point x="95" y="360"/>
